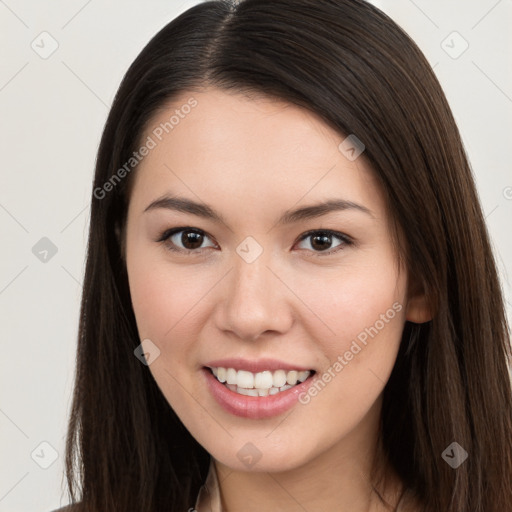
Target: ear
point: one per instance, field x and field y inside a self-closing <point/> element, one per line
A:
<point x="418" y="310"/>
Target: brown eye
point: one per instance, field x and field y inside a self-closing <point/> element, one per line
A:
<point x="320" y="242"/>
<point x="191" y="239"/>
<point x="185" y="239"/>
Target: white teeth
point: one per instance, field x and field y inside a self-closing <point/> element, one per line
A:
<point x="259" y="384"/>
<point x="303" y="375"/>
<point x="279" y="378"/>
<point x="231" y="377"/>
<point x="221" y="374"/>
<point x="263" y="380"/>
<point x="245" y="379"/>
<point x="247" y="392"/>
<point x="291" y="377"/>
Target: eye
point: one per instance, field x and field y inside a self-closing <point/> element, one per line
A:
<point x="321" y="242"/>
<point x="191" y="239"/>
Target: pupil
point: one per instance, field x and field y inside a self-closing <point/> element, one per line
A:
<point x="324" y="244"/>
<point x="191" y="238"/>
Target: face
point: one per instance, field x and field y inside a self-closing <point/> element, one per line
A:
<point x="241" y="287"/>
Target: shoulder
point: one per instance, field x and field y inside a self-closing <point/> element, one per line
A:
<point x="67" y="508"/>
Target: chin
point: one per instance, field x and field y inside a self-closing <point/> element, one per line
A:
<point x="262" y="455"/>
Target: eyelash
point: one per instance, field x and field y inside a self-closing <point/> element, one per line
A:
<point x="166" y="235"/>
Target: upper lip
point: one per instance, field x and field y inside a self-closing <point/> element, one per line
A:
<point x="255" y="366"/>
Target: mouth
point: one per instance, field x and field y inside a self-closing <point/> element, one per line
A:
<point x="261" y="384"/>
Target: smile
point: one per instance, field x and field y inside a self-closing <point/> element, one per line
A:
<point x="256" y="389"/>
<point x="259" y="384"/>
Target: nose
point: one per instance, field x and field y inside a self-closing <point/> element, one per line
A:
<point x="254" y="301"/>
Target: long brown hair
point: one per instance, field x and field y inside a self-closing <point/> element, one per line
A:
<point x="352" y="65"/>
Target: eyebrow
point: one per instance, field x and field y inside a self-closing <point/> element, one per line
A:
<point x="182" y="204"/>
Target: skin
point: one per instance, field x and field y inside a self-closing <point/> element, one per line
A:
<point x="250" y="159"/>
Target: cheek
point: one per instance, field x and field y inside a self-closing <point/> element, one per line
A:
<point x="156" y="304"/>
<point x="353" y="300"/>
<point x="364" y="310"/>
<point x="165" y="305"/>
<point x="165" y="298"/>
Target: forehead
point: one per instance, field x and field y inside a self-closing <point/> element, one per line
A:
<point x="234" y="148"/>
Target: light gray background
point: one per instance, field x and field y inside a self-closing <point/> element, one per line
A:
<point x="52" y="113"/>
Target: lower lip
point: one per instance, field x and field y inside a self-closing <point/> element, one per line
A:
<point x="254" y="407"/>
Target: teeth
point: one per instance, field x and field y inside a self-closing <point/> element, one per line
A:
<point x="279" y="378"/>
<point x="303" y="375"/>
<point x="259" y="384"/>
<point x="263" y="380"/>
<point x="291" y="377"/>
<point x="244" y="379"/>
<point x="231" y="376"/>
<point x="247" y="392"/>
<point x="221" y="374"/>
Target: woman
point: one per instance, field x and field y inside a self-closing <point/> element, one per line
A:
<point x="290" y="300"/>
